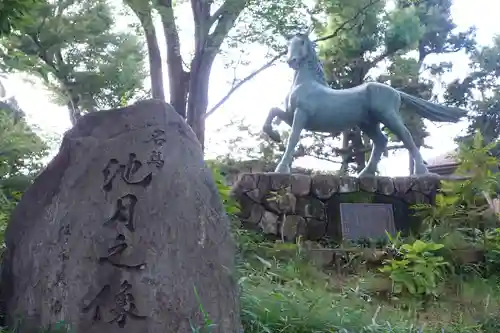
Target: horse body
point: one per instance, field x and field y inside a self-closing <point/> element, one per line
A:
<point x="314" y="106"/>
<point x="335" y="110"/>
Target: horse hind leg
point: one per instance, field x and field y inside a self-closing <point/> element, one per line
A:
<point x="268" y="127"/>
<point x="379" y="141"/>
<point x="299" y="122"/>
<point x="392" y="119"/>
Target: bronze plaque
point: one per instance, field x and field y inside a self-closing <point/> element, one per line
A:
<point x="366" y="220"/>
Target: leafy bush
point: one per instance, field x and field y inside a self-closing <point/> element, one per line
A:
<point x="230" y="204"/>
<point x="418" y="271"/>
<point x="466" y="203"/>
<point x="492" y="253"/>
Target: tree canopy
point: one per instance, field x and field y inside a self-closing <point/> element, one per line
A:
<point x="74" y="46"/>
<point x="12" y="14"/>
<point x="480" y="92"/>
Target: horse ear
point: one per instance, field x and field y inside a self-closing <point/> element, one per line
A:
<point x="309" y="30"/>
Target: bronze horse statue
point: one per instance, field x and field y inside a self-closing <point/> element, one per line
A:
<point x="312" y="105"/>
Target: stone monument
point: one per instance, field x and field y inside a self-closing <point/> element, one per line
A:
<point x="124" y="231"/>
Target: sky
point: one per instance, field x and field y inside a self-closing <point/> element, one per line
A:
<point x="253" y="100"/>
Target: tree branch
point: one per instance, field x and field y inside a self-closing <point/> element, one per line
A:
<point x="201" y="16"/>
<point x="381" y="57"/>
<point x="268" y="64"/>
<point x="350" y="152"/>
<point x="323" y="159"/>
<point x="225" y="17"/>
<point x="42" y="53"/>
<point x="342" y="26"/>
<point x="143" y="11"/>
<point x="303" y="152"/>
<point x="242" y="82"/>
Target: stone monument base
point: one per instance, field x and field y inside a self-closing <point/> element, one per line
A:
<point x="328" y="206"/>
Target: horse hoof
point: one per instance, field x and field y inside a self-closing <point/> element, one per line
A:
<point x="427" y="174"/>
<point x="421" y="170"/>
<point x="275" y="136"/>
<point x="282" y="169"/>
<point x="366" y="173"/>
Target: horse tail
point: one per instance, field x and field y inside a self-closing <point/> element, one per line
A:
<point x="432" y="111"/>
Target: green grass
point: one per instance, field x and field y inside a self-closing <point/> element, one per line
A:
<point x="283" y="292"/>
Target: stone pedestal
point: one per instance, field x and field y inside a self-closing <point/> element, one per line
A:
<point x="308" y="206"/>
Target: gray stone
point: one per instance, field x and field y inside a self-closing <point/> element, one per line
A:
<point x="385" y="186"/>
<point x="246" y="206"/>
<point x="316" y="229"/>
<point x="368" y="183"/>
<point x="290" y="227"/>
<point x="324" y="186"/>
<point x="347" y="184"/>
<point x="302" y="229"/>
<point x="269" y="223"/>
<point x="256" y="212"/>
<point x="255" y="195"/>
<point x="118" y="231"/>
<point x="310" y="207"/>
<point x="300" y="184"/>
<point x="247" y="181"/>
<point x="287" y="203"/>
<point x="279" y="181"/>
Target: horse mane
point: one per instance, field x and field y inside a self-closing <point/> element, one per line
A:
<point x="313" y="60"/>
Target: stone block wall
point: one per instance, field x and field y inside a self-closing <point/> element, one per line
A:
<point x="307" y="205"/>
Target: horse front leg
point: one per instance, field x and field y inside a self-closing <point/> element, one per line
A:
<point x="268" y="124"/>
<point x="379" y="141"/>
<point x="299" y="122"/>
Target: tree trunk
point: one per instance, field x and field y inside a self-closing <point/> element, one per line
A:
<point x="155" y="64"/>
<point x="74" y="114"/>
<point x="189" y="90"/>
<point x="359" y="71"/>
<point x="178" y="78"/>
<point x="344" y="167"/>
<point x="411" y="163"/>
<point x="358" y="146"/>
<point x="198" y="93"/>
<point x="154" y="56"/>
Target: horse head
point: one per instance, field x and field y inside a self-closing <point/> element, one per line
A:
<point x="300" y="47"/>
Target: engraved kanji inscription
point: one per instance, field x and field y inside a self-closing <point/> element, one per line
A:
<point x="116" y="249"/>
<point x="116" y="256"/>
<point x="158" y="137"/>
<point x="156" y="159"/>
<point x="96" y="304"/>
<point x="125" y="171"/>
<point x="117" y="308"/>
<point x="124" y="306"/>
<point x="124" y="212"/>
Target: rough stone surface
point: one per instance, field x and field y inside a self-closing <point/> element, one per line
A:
<point x="290" y="228"/>
<point x="304" y="199"/>
<point x="120" y="230"/>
